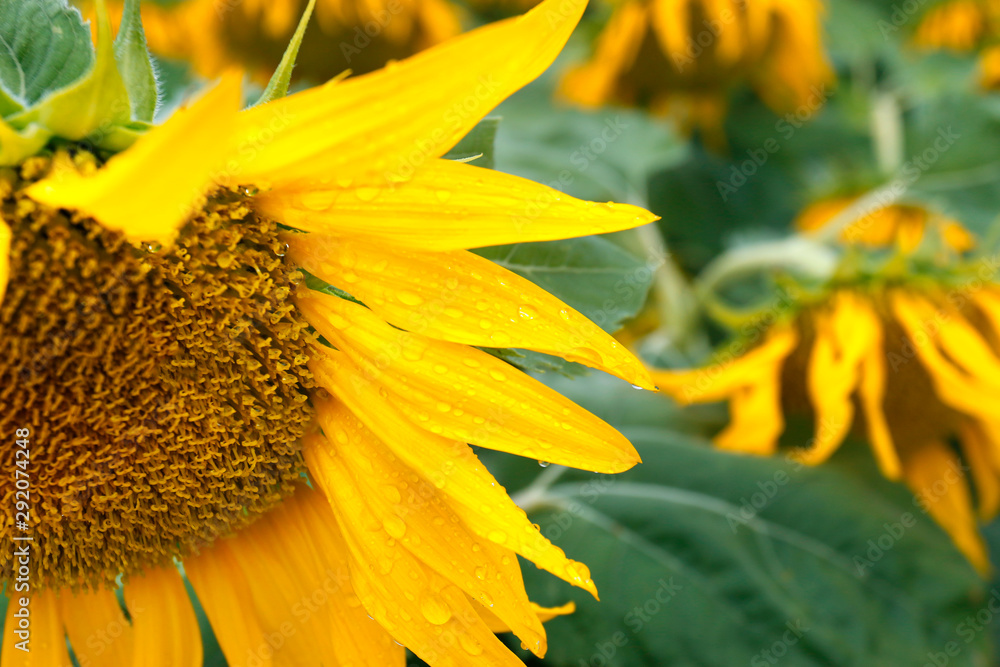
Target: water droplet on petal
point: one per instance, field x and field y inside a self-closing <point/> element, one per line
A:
<point x="435" y="610"/>
<point x="409" y="298"/>
<point x="497" y="536"/>
<point x="470" y="644"/>
<point x="544" y="464"/>
<point x="394" y="526"/>
<point x="527" y="312"/>
<point x="366" y="194"/>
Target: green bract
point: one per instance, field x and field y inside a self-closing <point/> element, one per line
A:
<point x="55" y="84"/>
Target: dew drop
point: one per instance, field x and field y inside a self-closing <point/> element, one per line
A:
<point x="366" y="194"/>
<point x="470" y="645"/>
<point x="434" y="610"/>
<point x="544" y="464"/>
<point x="564" y="314"/>
<point x="391" y="493"/>
<point x="409" y="298"/>
<point x="481" y="573"/>
<point x="394" y="526"/>
<point x="527" y="312"/>
<point x="497" y="536"/>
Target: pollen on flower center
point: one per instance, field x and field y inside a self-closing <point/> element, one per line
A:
<point x="165" y="390"/>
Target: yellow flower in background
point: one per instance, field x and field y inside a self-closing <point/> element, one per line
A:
<point x="989" y="68"/>
<point x="214" y="35"/>
<point x="179" y="376"/>
<point x="682" y="57"/>
<point x="914" y="369"/>
<point x="958" y="25"/>
<point x="903" y="225"/>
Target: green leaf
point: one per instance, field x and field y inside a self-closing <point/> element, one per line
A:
<point x="92" y="107"/>
<point x="707" y="558"/>
<point x="538" y="362"/>
<point x="593" y="275"/>
<point x="479" y="143"/>
<point x="277" y="87"/>
<point x="135" y="64"/>
<point x="44" y="47"/>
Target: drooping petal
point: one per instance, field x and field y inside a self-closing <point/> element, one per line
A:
<point x="956" y="389"/>
<point x="466" y="394"/>
<point x="445" y="205"/>
<point x="843" y="339"/>
<point x="148" y="191"/>
<point x="871" y="393"/>
<point x="396" y="509"/>
<point x="935" y="475"/>
<point x="592" y="83"/>
<point x="728" y="373"/>
<point x="543" y="613"/>
<point x="450" y="465"/>
<point x="981" y="456"/>
<point x="392" y="121"/>
<point x="462" y="298"/>
<point x="755" y="418"/>
<point x="47" y="645"/>
<point x="165" y="629"/>
<point x="98" y="631"/>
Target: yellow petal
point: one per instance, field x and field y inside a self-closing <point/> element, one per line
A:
<point x="425" y="611"/>
<point x="462" y="298"/>
<point x="755" y="418"/>
<point x="729" y="371"/>
<point x="543" y="613"/>
<point x="4" y="258"/>
<point x="98" y="631"/>
<point x="871" y="392"/>
<point x="956" y="389"/>
<point x="446" y="205"/>
<point x="293" y="565"/>
<point x="935" y="476"/>
<point x="148" y="191"/>
<point x="593" y="83"/>
<point x="958" y="339"/>
<point x="466" y="394"/>
<point x="224" y="594"/>
<point x="843" y="339"/>
<point x="450" y="465"/>
<point x="47" y="645"/>
<point x="393" y="121"/>
<point x="671" y="21"/>
<point x="980" y="454"/>
<point x="358" y="474"/>
<point x="165" y="628"/>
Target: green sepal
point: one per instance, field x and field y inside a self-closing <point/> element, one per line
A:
<point x="46" y="47"/>
<point x="121" y="137"/>
<point x="17" y="145"/>
<point x="277" y="87"/>
<point x="134" y="63"/>
<point x="8" y="104"/>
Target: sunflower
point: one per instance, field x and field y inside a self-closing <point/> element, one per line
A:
<point x="681" y="58"/>
<point x="902" y="225"/>
<point x="214" y="35"/>
<point x="957" y="25"/>
<point x="248" y="341"/>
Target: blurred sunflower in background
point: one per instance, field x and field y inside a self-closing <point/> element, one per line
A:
<point x="247" y="340"/>
<point x="681" y="59"/>
<point x="214" y="35"/>
<point x="904" y="354"/>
